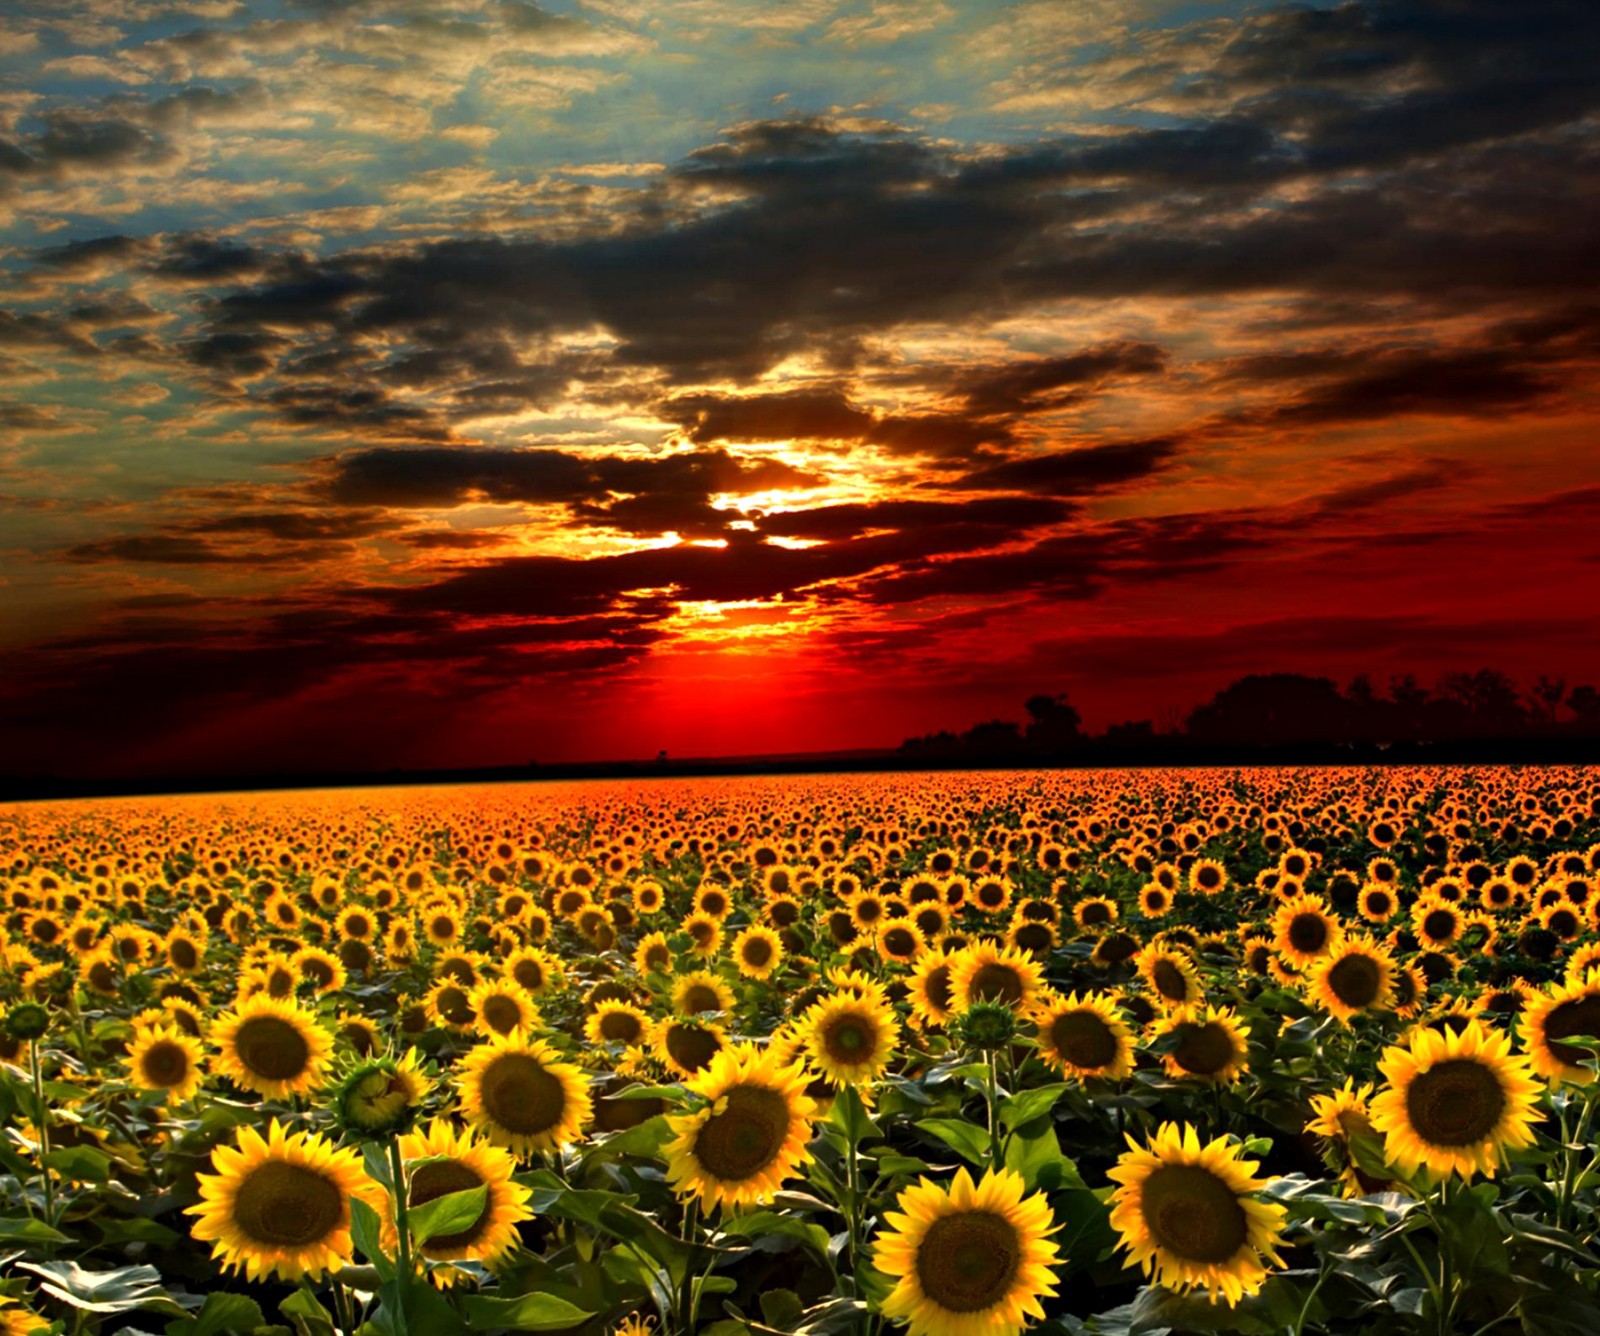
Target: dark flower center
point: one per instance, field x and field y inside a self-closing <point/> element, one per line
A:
<point x="745" y="1137"/>
<point x="272" y="1048"/>
<point x="967" y="1261"/>
<point x="1356" y="981"/>
<point x="1084" y="1040"/>
<point x="1455" y="1103"/>
<point x="287" y="1206"/>
<point x="1193" y="1214"/>
<point x="520" y="1096"/>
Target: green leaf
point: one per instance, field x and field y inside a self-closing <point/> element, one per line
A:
<point x="221" y="1313"/>
<point x="453" y="1213"/>
<point x="851" y="1117"/>
<point x="1030" y="1104"/>
<point x="762" y="1226"/>
<point x="118" y="1291"/>
<point x="527" y="1312"/>
<point x="310" y="1318"/>
<point x="84" y="1163"/>
<point x="968" y="1140"/>
<point x="781" y="1309"/>
<point x="366" y="1231"/>
<point x="17" y="1230"/>
<point x="136" y="1229"/>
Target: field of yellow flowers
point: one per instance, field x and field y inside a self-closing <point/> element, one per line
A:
<point x="1260" y="1051"/>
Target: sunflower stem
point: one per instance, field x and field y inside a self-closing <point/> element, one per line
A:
<point x="852" y="1170"/>
<point x="44" y="1133"/>
<point x="402" y="1220"/>
<point x="992" y="1100"/>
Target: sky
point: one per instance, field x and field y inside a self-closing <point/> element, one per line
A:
<point x="392" y="384"/>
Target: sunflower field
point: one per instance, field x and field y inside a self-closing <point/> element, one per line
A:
<point x="1076" y="1053"/>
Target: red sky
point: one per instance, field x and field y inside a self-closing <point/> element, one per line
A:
<point x="347" y="422"/>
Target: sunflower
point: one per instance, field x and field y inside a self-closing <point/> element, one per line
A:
<point x="750" y="1136"/>
<point x="1171" y="975"/>
<point x="617" y="1023"/>
<point x="534" y="969"/>
<point x="1438" y="922"/>
<point x="381" y="1095"/>
<point x="517" y="1091"/>
<point x="1095" y="912"/>
<point x="450" y="1005"/>
<point x="1304" y="930"/>
<point x="1454" y="1102"/>
<point x="901" y="941"/>
<point x="1191" y="1217"/>
<point x="685" y="1044"/>
<point x="162" y="1057"/>
<point x="987" y="972"/>
<point x="1207" y="876"/>
<point x="705" y="934"/>
<point x="1356" y="978"/>
<point x="323" y="970"/>
<point x="653" y="955"/>
<point x="1564" y="1011"/>
<point x="186" y="951"/>
<point x="274" y="1048"/>
<point x="1208" y="1044"/>
<point x="20" y="1321"/>
<point x="1376" y="902"/>
<point x="929" y="990"/>
<point x="499" y="1006"/>
<point x="1084" y="1036"/>
<point x="758" y="951"/>
<point x="280" y="1205"/>
<point x="1339" y="1119"/>
<point x="970" y="1259"/>
<point x="850" y="1038"/>
<point x="1155" y="900"/>
<point x="699" y="992"/>
<point x="440" y="1161"/>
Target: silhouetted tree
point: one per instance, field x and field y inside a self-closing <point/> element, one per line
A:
<point x="992" y="738"/>
<point x="1055" y="724"/>
<point x="1272" y="709"/>
<point x="1584" y="702"/>
<point x="1550" y="692"/>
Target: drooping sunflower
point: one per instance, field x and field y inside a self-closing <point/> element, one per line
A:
<point x="758" y="951"/>
<point x="1190" y="1214"/>
<point x="749" y="1138"/>
<point x="970" y="1259"/>
<point x="273" y="1048"/>
<point x="988" y="972"/>
<point x="1084" y="1037"/>
<point x="1208" y="1044"/>
<point x="440" y="1161"/>
<point x="280" y="1204"/>
<point x="929" y="990"/>
<point x="1340" y="1118"/>
<point x="162" y="1057"/>
<point x="1355" y="978"/>
<point x="521" y="1095"/>
<point x="1171" y="975"/>
<point x="850" y="1039"/>
<point x="1454" y="1102"/>
<point x="1563" y="1011"/>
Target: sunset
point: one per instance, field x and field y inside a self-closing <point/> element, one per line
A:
<point x="396" y="384"/>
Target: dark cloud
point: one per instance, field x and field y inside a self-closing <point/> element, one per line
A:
<point x="1051" y="382"/>
<point x="1009" y="514"/>
<point x="643" y="495"/>
<point x="1077" y="472"/>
